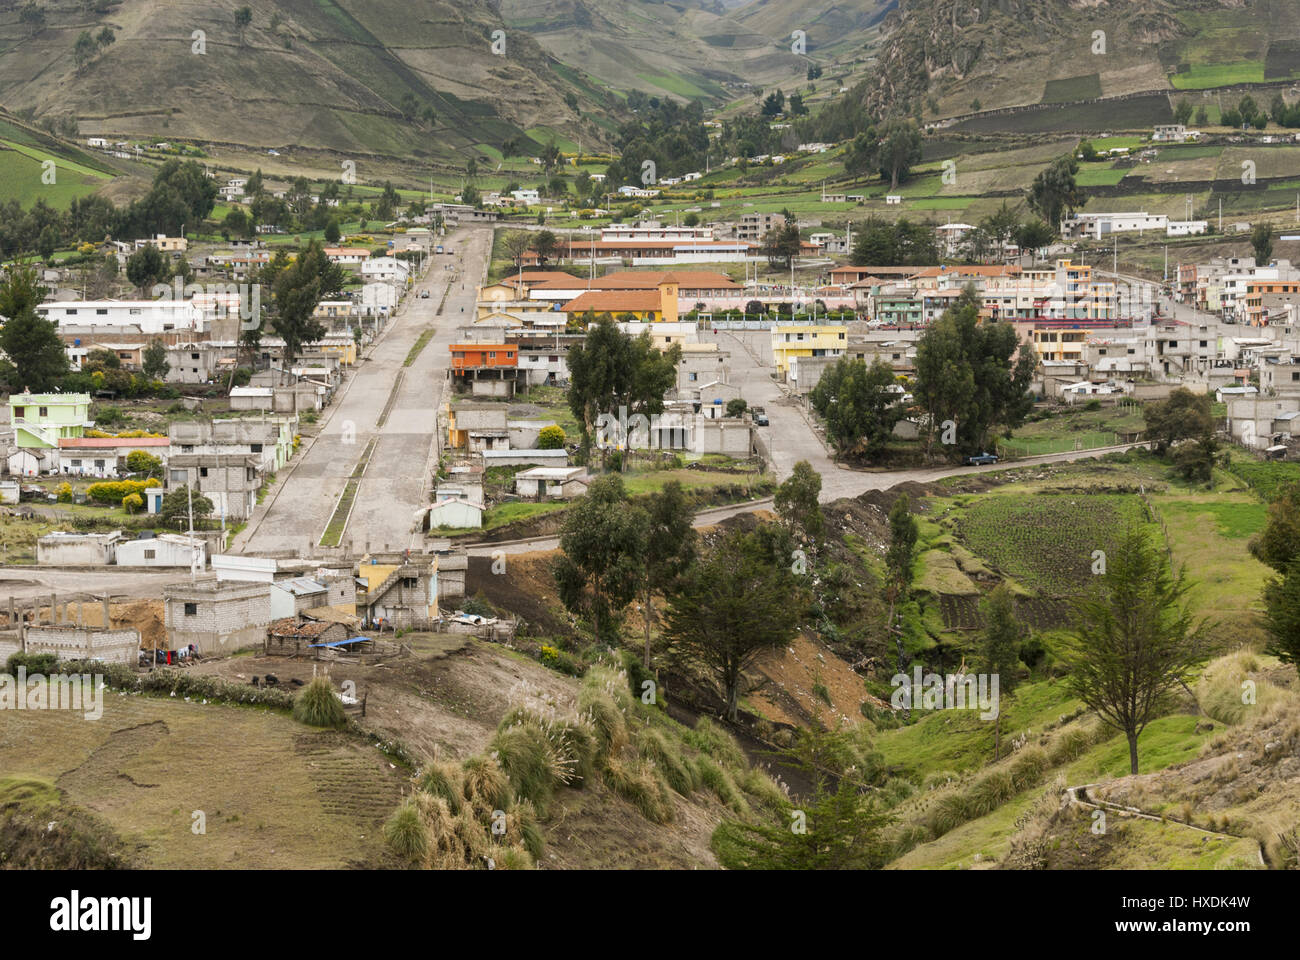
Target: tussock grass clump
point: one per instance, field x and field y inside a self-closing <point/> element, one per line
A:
<point x="762" y="788"/>
<point x="714" y="778"/>
<point x="679" y="774"/>
<point x="708" y="737"/>
<point x="1028" y="767"/>
<point x="906" y="837"/>
<point x="1219" y="691"/>
<point x="530" y="761"/>
<point x="939" y="779"/>
<point x="512" y="858"/>
<point x="485" y="787"/>
<point x="638" y="782"/>
<point x="317" y="705"/>
<point x="949" y="812"/>
<point x="445" y="780"/>
<point x="1075" y="742"/>
<point x="989" y="792"/>
<point x="607" y="721"/>
<point x="896" y="790"/>
<point x="405" y="834"/>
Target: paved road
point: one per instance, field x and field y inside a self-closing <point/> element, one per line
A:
<point x="297" y="510"/>
<point x="847" y="483"/>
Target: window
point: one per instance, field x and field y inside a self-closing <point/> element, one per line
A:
<point x="150" y="554"/>
<point x="191" y="609"/>
<point x="203" y="471"/>
<point x="692" y="377"/>
<point x="99" y="464"/>
<point x="101" y="313"/>
<point x="43" y="412"/>
<point x="256" y="447"/>
<point x="410" y="583"/>
<point x="178" y="476"/>
<point x="194" y="356"/>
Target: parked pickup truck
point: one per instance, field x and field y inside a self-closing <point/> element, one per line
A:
<point x="981" y="459"/>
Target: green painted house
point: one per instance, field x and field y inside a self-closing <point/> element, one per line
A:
<point x="41" y="420"/>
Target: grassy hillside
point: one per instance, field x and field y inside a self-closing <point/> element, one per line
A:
<point x="329" y="74"/>
<point x="24" y="157"/>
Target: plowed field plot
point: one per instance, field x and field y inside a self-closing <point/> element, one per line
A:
<point x="1047" y="542"/>
<point x="963" y="613"/>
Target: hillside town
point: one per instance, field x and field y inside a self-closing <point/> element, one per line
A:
<point x="535" y="443"/>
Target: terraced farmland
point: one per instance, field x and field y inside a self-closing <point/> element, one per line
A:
<point x="1045" y="542"/>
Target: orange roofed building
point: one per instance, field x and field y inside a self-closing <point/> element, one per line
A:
<point x="653" y="306"/>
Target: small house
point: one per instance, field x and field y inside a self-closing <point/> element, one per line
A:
<point x="551" y="483"/>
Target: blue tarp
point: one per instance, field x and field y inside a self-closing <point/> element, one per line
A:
<point x="340" y="643"/>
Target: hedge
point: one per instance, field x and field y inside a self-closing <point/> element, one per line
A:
<point x="114" y="491"/>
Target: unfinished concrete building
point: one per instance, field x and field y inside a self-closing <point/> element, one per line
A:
<point x="217" y="616"/>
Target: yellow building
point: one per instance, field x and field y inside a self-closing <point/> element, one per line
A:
<point x="807" y="340"/>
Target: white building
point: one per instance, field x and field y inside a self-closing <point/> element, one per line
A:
<point x="526" y="196"/>
<point x="378" y="299"/>
<point x="1186" y="228"/>
<point x="1098" y="225"/>
<point x="149" y="316"/>
<point x="164" y="550"/>
<point x="385" y="270"/>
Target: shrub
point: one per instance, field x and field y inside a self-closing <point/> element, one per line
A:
<point x="317" y="706"/>
<point x="139" y="461"/>
<point x="551" y="438"/>
<point x="133" y="503"/>
<point x="65" y="492"/>
<point x="114" y="491"/>
<point x="405" y="833"/>
<point x="43" y="663"/>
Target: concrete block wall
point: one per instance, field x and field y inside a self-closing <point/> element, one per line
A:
<point x="78" y="643"/>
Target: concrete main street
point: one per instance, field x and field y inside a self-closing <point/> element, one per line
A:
<point x="299" y="506"/>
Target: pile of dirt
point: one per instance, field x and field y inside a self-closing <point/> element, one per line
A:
<point x="146" y="616"/>
<point x="525" y="588"/>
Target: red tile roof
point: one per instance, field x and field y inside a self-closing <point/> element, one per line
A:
<point x="615" y="301"/>
<point x="101" y="443"/>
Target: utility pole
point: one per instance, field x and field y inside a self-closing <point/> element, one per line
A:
<point x="189" y="500"/>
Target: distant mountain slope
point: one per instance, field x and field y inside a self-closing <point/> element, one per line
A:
<point x="693" y="48"/>
<point x="331" y="74"/>
<point x="1014" y="52"/>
